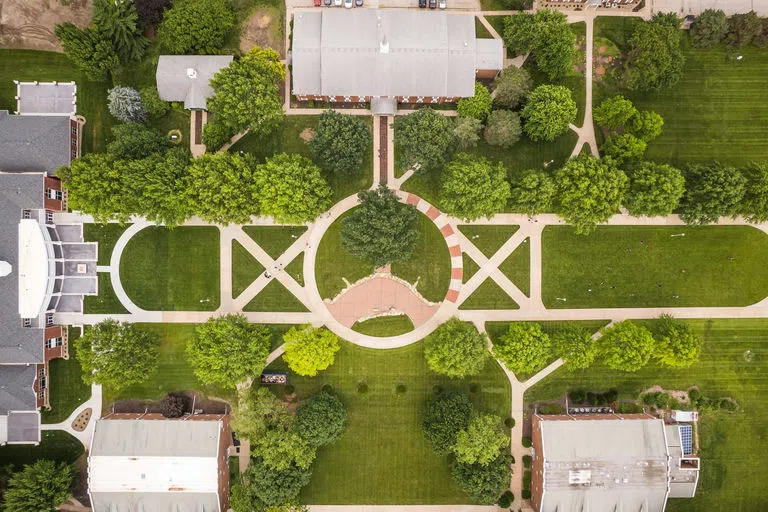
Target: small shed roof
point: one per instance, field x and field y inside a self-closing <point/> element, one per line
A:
<point x="187" y="78"/>
<point x="46" y="98"/>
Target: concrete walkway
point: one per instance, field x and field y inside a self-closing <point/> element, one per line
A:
<point x="94" y="403"/>
<point x="586" y="132"/>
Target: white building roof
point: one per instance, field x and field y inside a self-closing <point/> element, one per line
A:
<point x="490" y="54"/>
<point x="33" y="269"/>
<point x="46" y="98"/>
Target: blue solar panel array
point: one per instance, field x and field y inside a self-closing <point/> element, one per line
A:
<point x="686" y="436"/>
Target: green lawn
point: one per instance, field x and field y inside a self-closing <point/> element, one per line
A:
<point x="648" y="267"/>
<point x="275" y="240"/>
<point x="106" y="301"/>
<point x="245" y="268"/>
<point x="106" y="235"/>
<point x="296" y="269"/>
<point x="287" y="139"/>
<point x="54" y="445"/>
<point x="66" y="384"/>
<point x="489" y="295"/>
<point x="517" y="267"/>
<point x="469" y="267"/>
<point x="384" y="326"/>
<point x="480" y="31"/>
<point x="616" y="28"/>
<point x="275" y="297"/>
<point x="334" y="263"/>
<point x="382" y="458"/>
<point x="488" y="238"/>
<point x="173" y="269"/>
<point x="733" y="445"/>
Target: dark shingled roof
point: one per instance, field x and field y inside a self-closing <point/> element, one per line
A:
<point x="16" y="392"/>
<point x="34" y="143"/>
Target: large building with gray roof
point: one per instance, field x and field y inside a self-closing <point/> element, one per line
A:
<point x="187" y="78"/>
<point x="608" y="462"/>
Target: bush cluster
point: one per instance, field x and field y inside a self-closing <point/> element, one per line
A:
<point x="580" y="396"/>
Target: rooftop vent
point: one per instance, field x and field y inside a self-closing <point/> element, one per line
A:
<point x="384" y="46"/>
<point x="5" y="268"/>
<point x="191" y="73"/>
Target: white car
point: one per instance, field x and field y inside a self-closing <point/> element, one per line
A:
<point x="441" y="4"/>
<point x="348" y="4"/>
<point x="337" y="3"/>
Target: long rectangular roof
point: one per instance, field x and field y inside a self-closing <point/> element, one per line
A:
<point x="47" y="98"/>
<point x="34" y="143"/>
<point x="388" y="52"/>
<point x="156" y="438"/>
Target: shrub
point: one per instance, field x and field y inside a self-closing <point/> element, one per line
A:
<point x="172" y="406"/>
<point x="695" y="395"/>
<point x="125" y="104"/>
<point x="289" y="389"/>
<point x="527" y="461"/>
<point x="628" y="408"/>
<point x="526" y="480"/>
<point x="474" y="388"/>
<point x="436" y="389"/>
<point x="577" y="396"/>
<point x="506" y="499"/>
<point x="591" y="398"/>
<point x="477" y="106"/>
<point x="215" y="135"/>
<point x="327" y="388"/>
<point x="503" y="128"/>
<point x="362" y="388"/>
<point x="154" y="106"/>
<point x="401" y="389"/>
<point x="526" y="442"/>
<point x="526" y="494"/>
<point x="509" y="422"/>
<point x="551" y="409"/>
<point x="729" y="404"/>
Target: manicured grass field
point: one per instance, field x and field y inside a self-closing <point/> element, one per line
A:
<point x="334" y="263"/>
<point x="733" y="470"/>
<point x="67" y="388"/>
<point x="642" y="266"/>
<point x="106" y="301"/>
<point x="106" y="235"/>
<point x="384" y="326"/>
<point x="275" y="240"/>
<point x="517" y="267"/>
<point x="245" y="268"/>
<point x="296" y="269"/>
<point x="54" y="445"/>
<point x="382" y="458"/>
<point x="489" y="295"/>
<point x="173" y="269"/>
<point x="469" y="267"/>
<point x="275" y="297"/>
<point x="488" y="238"/>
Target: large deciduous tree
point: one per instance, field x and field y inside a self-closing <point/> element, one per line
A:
<point x="613" y="113"/>
<point x="524" y="348"/>
<point x="125" y="105"/>
<point x="456" y="349"/>
<point x="96" y="187"/>
<point x="655" y="190"/>
<point x="340" y="143"/>
<point x="309" y="350"/>
<point x="321" y="419"/>
<point x="274" y="488"/>
<point x="623" y="147"/>
<point x="472" y="187"/>
<point x="477" y="106"/>
<point x="754" y="206"/>
<point x="282" y="450"/>
<point x="258" y="412"/>
<point x="118" y="22"/>
<point x="382" y="230"/>
<point x="151" y="11"/>
<point x="646" y="125"/>
<point x="655" y="61"/>
<point x="291" y="189"/>
<point x="547" y="35"/>
<point x="88" y="50"/>
<point x="511" y="86"/>
<point x="246" y="94"/>
<point x="154" y="106"/>
<point x="444" y="418"/>
<point x="576" y="346"/>
<point x="116" y="354"/>
<point x="590" y="191"/>
<point x="42" y="486"/>
<point x="484" y="483"/>
<point x="424" y="138"/>
<point x="713" y="191"/>
<point x="467" y="132"/>
<point x="228" y="349"/>
<point x="222" y="188"/>
<point x="743" y="28"/>
<point x="709" y="28"/>
<point x="548" y="112"/>
<point x="503" y="128"/>
<point x="482" y="441"/>
<point x="195" y="27"/>
<point x="533" y="192"/>
<point x="677" y="345"/>
<point x="135" y="141"/>
<point x="626" y="346"/>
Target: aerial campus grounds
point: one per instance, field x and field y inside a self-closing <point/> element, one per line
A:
<point x="551" y="293"/>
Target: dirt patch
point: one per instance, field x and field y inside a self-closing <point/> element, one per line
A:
<point x="82" y="420"/>
<point x="681" y="396"/>
<point x="265" y="29"/>
<point x="29" y="24"/>
<point x="307" y="134"/>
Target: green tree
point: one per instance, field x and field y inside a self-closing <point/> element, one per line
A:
<point x="96" y="187"/>
<point x="195" y="27"/>
<point x="555" y="45"/>
<point x="226" y="350"/>
<point x="467" y="132"/>
<point x="42" y="486"/>
<point x="155" y="107"/>
<point x="524" y="348"/>
<point x="291" y="189"/>
<point x="626" y="346"/>
<point x="503" y="128"/>
<point x="135" y="141"/>
<point x="477" y="106"/>
<point x="614" y="113"/>
<point x="309" y="349"/>
<point x="222" y="188"/>
<point x="125" y="105"/>
<point x="151" y="11"/>
<point x="655" y="61"/>
<point x="445" y="417"/>
<point x="623" y="147"/>
<point x="590" y="191"/>
<point x="472" y="187"/>
<point x="116" y="354"/>
<point x="259" y="411"/>
<point x="484" y="484"/>
<point x="321" y="419"/>
<point x="88" y="50"/>
<point x="655" y="190"/>
<point x="713" y="191"/>
<point x="274" y="488"/>
<point x="246" y="93"/>
<point x="511" y="87"/>
<point x="382" y="230"/>
<point x="646" y="125"/>
<point x="576" y="346"/>
<point x="158" y="186"/>
<point x="282" y="450"/>
<point x="533" y="192"/>
<point x="754" y="206"/>
<point x="548" y="112"/>
<point x="709" y="28"/>
<point x="520" y="33"/>
<point x="215" y="135"/>
<point x="340" y="142"/>
<point x="456" y="349"/>
<point x="481" y="442"/>
<point x="424" y="138"/>
<point x="678" y="346"/>
<point x="118" y="22"/>
<point x="743" y="29"/>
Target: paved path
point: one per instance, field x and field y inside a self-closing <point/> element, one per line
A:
<point x="586" y="132"/>
<point x="403" y="508"/>
<point x="94" y="403"/>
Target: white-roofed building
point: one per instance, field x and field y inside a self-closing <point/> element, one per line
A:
<point x="153" y="464"/>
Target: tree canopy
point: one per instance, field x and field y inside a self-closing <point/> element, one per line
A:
<point x="482" y="441"/>
<point x="291" y="189"/>
<point x="524" y="348"/>
<point x="118" y="22"/>
<point x="576" y="346"/>
<point x="709" y="28"/>
<point x="424" y="138"/>
<point x="309" y="349"/>
<point x="590" y="191"/>
<point x="88" y="50"/>
<point x="340" y="142"/>
<point x="135" y="141"/>
<point x="467" y="132"/>
<point x="228" y="349"/>
<point x="623" y="147"/>
<point x="259" y="411"/>
<point x="548" y="112"/>
<point x="547" y="35"/>
<point x="321" y="419"/>
<point x="472" y="187"/>
<point x="42" y="486"/>
<point x="246" y="93"/>
<point x="678" y="346"/>
<point x="456" y="349"/>
<point x="195" y="27"/>
<point x="646" y="125"/>
<point x="477" y="106"/>
<point x="655" y="190"/>
<point x="613" y="113"/>
<point x="743" y="28"/>
<point x="533" y="192"/>
<point x="116" y="354"/>
<point x="503" y="128"/>
<point x="754" y="206"/>
<point x="626" y="346"/>
<point x="382" y="230"/>
<point x="655" y="60"/>
<point x="95" y="187"/>
<point x="484" y="484"/>
<point x="125" y="104"/>
<point x="445" y="417"/>
<point x="273" y="487"/>
<point x="222" y="188"/>
<point x="713" y="191"/>
<point x="511" y="87"/>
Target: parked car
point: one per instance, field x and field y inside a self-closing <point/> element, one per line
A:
<point x="358" y="3"/>
<point x="348" y="4"/>
<point x="432" y="4"/>
<point x="337" y="3"/>
<point x="441" y="4"/>
<point x="328" y="2"/>
<point x="318" y="3"/>
<point x="423" y="3"/>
